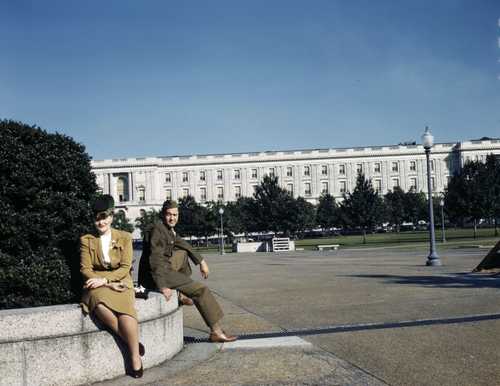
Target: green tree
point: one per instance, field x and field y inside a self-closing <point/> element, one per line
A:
<point x="395" y="203"/>
<point x="465" y="195"/>
<point x="362" y="208"/>
<point x="147" y="220"/>
<point x="188" y="216"/>
<point x="327" y="212"/>
<point x="274" y="206"/>
<point x="489" y="181"/>
<point x="195" y="219"/>
<point x="207" y="220"/>
<point x="46" y="186"/>
<point x="234" y="224"/>
<point x="302" y="216"/>
<point x="246" y="211"/>
<point x="415" y="206"/>
<point x="121" y="222"/>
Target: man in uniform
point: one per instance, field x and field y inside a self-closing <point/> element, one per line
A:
<point x="170" y="269"/>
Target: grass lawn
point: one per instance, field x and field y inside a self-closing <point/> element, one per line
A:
<point x="454" y="238"/>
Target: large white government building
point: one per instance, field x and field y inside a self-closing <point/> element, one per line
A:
<point x="139" y="184"/>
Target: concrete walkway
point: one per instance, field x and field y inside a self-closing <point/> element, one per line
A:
<point x="363" y="317"/>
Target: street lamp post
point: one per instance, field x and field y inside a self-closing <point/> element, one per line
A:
<point x="441" y="204"/>
<point x="221" y="212"/>
<point x="427" y="141"/>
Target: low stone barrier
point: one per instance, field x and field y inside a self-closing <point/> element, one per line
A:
<point x="57" y="345"/>
<point x="254" y="246"/>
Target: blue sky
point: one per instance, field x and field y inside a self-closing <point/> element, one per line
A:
<point x="151" y="78"/>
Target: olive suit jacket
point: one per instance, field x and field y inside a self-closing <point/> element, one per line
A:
<point x="162" y="243"/>
<point x="92" y="264"/>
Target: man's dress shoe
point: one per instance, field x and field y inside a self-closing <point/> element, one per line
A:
<point x="221" y="337"/>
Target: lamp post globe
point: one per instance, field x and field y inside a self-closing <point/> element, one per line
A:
<point x="427" y="142"/>
<point x="427" y="139"/>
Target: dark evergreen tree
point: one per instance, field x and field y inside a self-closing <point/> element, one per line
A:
<point x="302" y="216"/>
<point x="246" y="209"/>
<point x="327" y="212"/>
<point x="395" y="207"/>
<point x="489" y="180"/>
<point x="466" y="194"/>
<point x="415" y="207"/>
<point x="121" y="222"/>
<point x="274" y="206"/>
<point x="188" y="218"/>
<point x="46" y="185"/>
<point x="146" y="220"/>
<point x="362" y="208"/>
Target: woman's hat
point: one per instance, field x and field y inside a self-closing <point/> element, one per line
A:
<point x="103" y="203"/>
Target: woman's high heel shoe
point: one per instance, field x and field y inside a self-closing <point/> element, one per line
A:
<point x="137" y="373"/>
<point x="142" y="350"/>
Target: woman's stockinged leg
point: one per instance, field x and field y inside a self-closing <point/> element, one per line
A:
<point x="108" y="317"/>
<point x="125" y="327"/>
<point x="129" y="332"/>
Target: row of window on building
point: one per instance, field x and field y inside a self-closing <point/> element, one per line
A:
<point x="307" y="189"/>
<point x="306" y="171"/>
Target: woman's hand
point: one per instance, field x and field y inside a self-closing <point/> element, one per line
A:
<point x="95" y="282"/>
<point x="120" y="287"/>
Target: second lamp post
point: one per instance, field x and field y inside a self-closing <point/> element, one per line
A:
<point x="443" y="235"/>
<point x="427" y="142"/>
<point x="221" y="212"/>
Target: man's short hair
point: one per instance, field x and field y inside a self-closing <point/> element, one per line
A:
<point x="168" y="204"/>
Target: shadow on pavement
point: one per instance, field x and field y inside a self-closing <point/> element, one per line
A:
<point x="453" y="280"/>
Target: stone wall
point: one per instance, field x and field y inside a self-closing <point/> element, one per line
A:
<point x="57" y="345"/>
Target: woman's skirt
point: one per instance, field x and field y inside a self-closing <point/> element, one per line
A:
<point x="120" y="302"/>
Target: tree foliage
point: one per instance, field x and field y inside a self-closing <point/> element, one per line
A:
<point x="273" y="206"/>
<point x="121" y="222"/>
<point x="404" y="206"/>
<point x="415" y="207"/>
<point x="327" y="212"/>
<point x="474" y="192"/>
<point x="362" y="208"/>
<point x="395" y="206"/>
<point x="147" y="220"/>
<point x="46" y="185"/>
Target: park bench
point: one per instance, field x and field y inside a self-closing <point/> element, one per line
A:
<point x="322" y="247"/>
<point x="281" y="244"/>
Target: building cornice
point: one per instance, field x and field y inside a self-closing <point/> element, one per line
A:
<point x="313" y="155"/>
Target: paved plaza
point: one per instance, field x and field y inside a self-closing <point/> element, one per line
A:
<point x="366" y="316"/>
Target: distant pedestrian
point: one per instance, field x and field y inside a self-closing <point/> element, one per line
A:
<point x="106" y="259"/>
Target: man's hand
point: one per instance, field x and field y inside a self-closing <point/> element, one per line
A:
<point x="167" y="292"/>
<point x="204" y="269"/>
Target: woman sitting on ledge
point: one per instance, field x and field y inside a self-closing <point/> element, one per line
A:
<point x="106" y="258"/>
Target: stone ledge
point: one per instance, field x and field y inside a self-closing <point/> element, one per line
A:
<point x="58" y="345"/>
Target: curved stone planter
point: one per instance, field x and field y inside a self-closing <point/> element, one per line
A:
<point x="57" y="345"/>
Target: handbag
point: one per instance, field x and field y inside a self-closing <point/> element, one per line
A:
<point x="141" y="292"/>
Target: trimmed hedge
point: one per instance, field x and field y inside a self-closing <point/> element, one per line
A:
<point x="46" y="184"/>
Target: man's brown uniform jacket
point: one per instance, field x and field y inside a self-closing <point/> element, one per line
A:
<point x="162" y="243"/>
